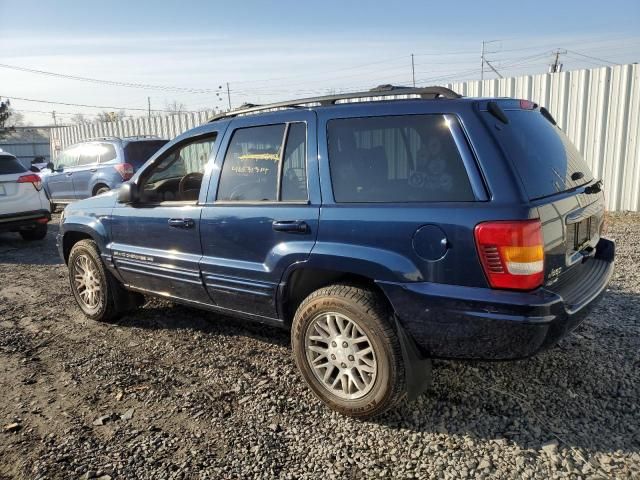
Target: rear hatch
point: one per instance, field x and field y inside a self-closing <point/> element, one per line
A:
<point x="556" y="180"/>
<point x="16" y="197"/>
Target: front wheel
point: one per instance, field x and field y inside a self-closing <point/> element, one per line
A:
<point x="101" y="190"/>
<point x="98" y="294"/>
<point x="348" y="352"/>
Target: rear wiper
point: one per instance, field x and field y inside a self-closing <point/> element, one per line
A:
<point x="575" y="176"/>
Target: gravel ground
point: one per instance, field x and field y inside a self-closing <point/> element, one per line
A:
<point x="170" y="392"/>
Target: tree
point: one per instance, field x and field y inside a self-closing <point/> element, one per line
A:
<point x="106" y="116"/>
<point x="175" y="108"/>
<point x="80" y="119"/>
<point x="5" y="116"/>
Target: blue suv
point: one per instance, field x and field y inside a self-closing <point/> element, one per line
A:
<point x="383" y="228"/>
<point x="96" y="166"/>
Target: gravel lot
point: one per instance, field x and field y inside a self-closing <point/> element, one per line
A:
<point x="170" y="392"/>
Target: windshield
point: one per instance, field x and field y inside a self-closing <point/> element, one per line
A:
<point x="136" y="153"/>
<point x="543" y="156"/>
<point x="10" y="165"/>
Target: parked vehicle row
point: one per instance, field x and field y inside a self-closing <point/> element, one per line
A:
<point x="93" y="167"/>
<point x="381" y="233"/>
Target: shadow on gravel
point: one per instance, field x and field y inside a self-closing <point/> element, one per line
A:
<point x="16" y="251"/>
<point x="162" y="316"/>
<point x="583" y="393"/>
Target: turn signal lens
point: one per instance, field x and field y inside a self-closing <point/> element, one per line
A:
<point x="512" y="253"/>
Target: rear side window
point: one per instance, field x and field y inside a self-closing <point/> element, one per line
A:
<point x="88" y="154"/>
<point x="409" y="158"/>
<point x="10" y="165"/>
<point x="107" y="152"/>
<point x="136" y="153"/>
<point x="541" y="153"/>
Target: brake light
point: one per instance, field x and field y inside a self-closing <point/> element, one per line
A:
<point x="527" y="105"/>
<point x="32" y="178"/>
<point x="125" y="170"/>
<point x="512" y="253"/>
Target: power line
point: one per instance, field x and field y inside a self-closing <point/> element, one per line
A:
<point x="51" y="102"/>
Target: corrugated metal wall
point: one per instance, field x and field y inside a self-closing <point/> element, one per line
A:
<point x="599" y="109"/>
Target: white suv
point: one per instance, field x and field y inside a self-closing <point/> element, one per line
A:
<point x="24" y="206"/>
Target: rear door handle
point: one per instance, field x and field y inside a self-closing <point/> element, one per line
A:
<point x="93" y="169"/>
<point x="182" y="222"/>
<point x="292" y="226"/>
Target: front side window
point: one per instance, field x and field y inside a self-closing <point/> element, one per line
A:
<point x="68" y="157"/>
<point x="177" y="176"/>
<point x="252" y="169"/>
<point x="409" y="158"/>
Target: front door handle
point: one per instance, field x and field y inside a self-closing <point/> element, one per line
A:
<point x="182" y="222"/>
<point x="292" y="226"/>
<point x="93" y="169"/>
<point x="69" y="174"/>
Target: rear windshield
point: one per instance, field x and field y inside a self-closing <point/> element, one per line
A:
<point x="542" y="154"/>
<point x="9" y="165"/>
<point x="409" y="158"/>
<point x="136" y="153"/>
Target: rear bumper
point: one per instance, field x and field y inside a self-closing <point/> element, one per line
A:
<point x="23" y="220"/>
<point x="479" y="323"/>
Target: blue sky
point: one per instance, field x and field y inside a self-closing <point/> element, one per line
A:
<point x="275" y="50"/>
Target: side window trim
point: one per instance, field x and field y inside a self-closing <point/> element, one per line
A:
<point x="227" y="145"/>
<point x="469" y="160"/>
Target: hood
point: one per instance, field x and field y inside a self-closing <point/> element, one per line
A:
<point x="105" y="200"/>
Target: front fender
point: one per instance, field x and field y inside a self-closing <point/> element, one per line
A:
<point x="92" y="224"/>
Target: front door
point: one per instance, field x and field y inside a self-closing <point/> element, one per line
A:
<point x="59" y="182"/>
<point x="263" y="216"/>
<point x="156" y="240"/>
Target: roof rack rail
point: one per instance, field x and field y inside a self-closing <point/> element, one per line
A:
<point x="100" y="138"/>
<point x="379" y="91"/>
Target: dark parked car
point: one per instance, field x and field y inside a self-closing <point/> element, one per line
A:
<point x="96" y="166"/>
<point x="382" y="231"/>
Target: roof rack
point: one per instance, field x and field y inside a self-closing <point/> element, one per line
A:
<point x="379" y="91"/>
<point x="130" y="137"/>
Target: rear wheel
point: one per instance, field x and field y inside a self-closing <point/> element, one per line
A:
<point x="98" y="294"/>
<point x="347" y="350"/>
<point x="36" y="233"/>
<point x="101" y="189"/>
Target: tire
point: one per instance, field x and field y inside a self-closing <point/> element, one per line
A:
<point x="110" y="300"/>
<point x="380" y="373"/>
<point x="101" y="189"/>
<point x="37" y="233"/>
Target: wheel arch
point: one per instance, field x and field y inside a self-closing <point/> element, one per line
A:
<point x="302" y="280"/>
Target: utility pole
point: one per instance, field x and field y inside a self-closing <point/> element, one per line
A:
<point x="482" y="65"/>
<point x="149" y="105"/>
<point x="53" y="114"/>
<point x="229" y="95"/>
<point x="413" y="71"/>
<point x="556" y="66"/>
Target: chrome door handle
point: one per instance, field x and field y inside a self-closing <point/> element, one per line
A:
<point x="182" y="222"/>
<point x="291" y="226"/>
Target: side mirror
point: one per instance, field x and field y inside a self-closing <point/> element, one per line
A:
<point x="128" y="193"/>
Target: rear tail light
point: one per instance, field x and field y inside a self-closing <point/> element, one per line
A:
<point x="527" y="105"/>
<point x="512" y="253"/>
<point x="32" y="178"/>
<point x="125" y="170"/>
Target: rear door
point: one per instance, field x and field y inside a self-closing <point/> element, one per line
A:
<point x="263" y="215"/>
<point x="556" y="180"/>
<point x="85" y="169"/>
